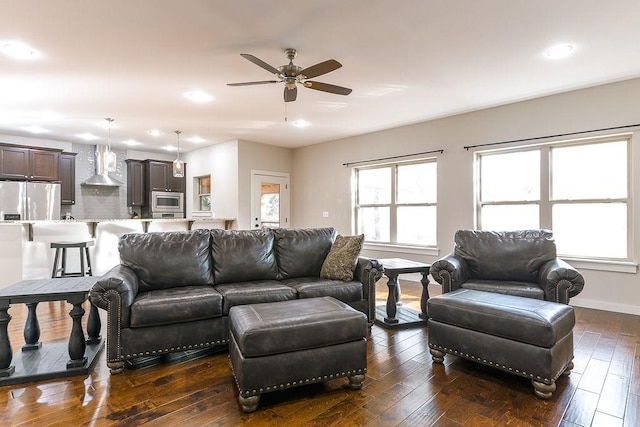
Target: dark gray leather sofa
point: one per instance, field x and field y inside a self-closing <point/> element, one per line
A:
<point x="520" y="263"/>
<point x="173" y="290"/>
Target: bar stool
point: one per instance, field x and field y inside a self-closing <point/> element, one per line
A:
<point x="62" y="270"/>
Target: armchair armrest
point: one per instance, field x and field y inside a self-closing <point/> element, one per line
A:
<point x="114" y="292"/>
<point x="560" y="281"/>
<point x="450" y="271"/>
<point x="368" y="271"/>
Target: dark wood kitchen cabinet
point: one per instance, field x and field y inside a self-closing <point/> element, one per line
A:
<point x="159" y="177"/>
<point x="36" y="164"/>
<point x="135" y="183"/>
<point x="68" y="178"/>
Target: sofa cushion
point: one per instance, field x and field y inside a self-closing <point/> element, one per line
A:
<point x="243" y="255"/>
<point x="301" y="252"/>
<point x="341" y="259"/>
<point x="170" y="259"/>
<point x="312" y="287"/>
<point x="259" y="291"/>
<point x="505" y="255"/>
<point x="507" y="287"/>
<point x="176" y="305"/>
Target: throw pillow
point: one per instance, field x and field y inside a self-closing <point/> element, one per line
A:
<point x="341" y="260"/>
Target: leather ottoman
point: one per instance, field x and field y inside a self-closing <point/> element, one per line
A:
<point x="523" y="336"/>
<point x="285" y="344"/>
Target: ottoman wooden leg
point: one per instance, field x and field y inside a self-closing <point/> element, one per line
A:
<point x="249" y="404"/>
<point x="355" y="381"/>
<point x="437" y="355"/>
<point x="568" y="369"/>
<point x="542" y="390"/>
<point x="115" y="367"/>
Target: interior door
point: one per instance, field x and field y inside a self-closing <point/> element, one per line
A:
<point x="270" y="201"/>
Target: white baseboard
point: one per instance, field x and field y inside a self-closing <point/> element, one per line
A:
<point x="411" y="277"/>
<point x="606" y="306"/>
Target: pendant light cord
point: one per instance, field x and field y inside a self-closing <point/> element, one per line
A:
<point x="178" y="132"/>
<point x="109" y="120"/>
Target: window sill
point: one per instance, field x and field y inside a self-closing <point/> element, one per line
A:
<point x="401" y="249"/>
<point x="602" y="265"/>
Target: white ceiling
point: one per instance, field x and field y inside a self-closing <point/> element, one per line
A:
<point x="406" y="61"/>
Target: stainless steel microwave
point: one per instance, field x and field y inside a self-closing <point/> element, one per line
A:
<point x="166" y="202"/>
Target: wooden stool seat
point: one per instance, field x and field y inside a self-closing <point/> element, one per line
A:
<point x="84" y="254"/>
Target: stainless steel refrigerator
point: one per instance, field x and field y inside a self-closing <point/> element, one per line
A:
<point x="29" y="200"/>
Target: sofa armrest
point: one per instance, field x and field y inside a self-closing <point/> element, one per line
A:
<point x="560" y="281"/>
<point x="450" y="271"/>
<point x="114" y="292"/>
<point x="368" y="271"/>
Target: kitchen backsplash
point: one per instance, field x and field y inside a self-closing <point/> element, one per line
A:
<point x="98" y="202"/>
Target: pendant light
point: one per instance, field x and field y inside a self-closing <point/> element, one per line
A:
<point x="178" y="165"/>
<point x="110" y="159"/>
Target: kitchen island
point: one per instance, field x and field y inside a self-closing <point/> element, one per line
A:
<point x="25" y="246"/>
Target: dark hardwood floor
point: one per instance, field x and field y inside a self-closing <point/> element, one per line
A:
<point x="402" y="388"/>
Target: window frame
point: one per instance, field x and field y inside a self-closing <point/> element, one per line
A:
<point x="546" y="203"/>
<point x="198" y="194"/>
<point x="393" y="205"/>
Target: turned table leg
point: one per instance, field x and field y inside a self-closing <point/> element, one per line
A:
<point x="32" y="329"/>
<point x="425" y="295"/>
<point x="392" y="301"/>
<point x="6" y="354"/>
<point x="93" y="325"/>
<point x="77" y="343"/>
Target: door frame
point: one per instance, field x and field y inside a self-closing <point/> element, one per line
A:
<point x="285" y="210"/>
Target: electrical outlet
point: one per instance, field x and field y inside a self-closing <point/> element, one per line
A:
<point x="325" y="214"/>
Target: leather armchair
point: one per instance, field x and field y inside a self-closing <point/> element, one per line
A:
<point x="521" y="263"/>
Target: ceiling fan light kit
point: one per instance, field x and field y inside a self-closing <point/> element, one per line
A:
<point x="291" y="74"/>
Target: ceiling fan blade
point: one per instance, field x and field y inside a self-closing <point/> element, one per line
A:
<point x="260" y="63"/>
<point x="262" y="82"/>
<point x="290" y="95"/>
<point x="321" y="68"/>
<point x="326" y="87"/>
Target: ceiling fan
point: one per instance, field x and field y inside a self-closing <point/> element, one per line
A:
<point x="292" y="74"/>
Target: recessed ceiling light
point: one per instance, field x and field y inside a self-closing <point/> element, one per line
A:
<point x="35" y="129"/>
<point x="170" y="148"/>
<point x="87" y="136"/>
<point x="18" y="50"/>
<point x="131" y="142"/>
<point x="559" y="51"/>
<point x="154" y="132"/>
<point x="199" y="96"/>
<point x="301" y="123"/>
<point x="196" y="139"/>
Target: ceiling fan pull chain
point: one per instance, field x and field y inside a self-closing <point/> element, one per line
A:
<point x="285" y="111"/>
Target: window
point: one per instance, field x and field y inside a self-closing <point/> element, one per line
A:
<point x="270" y="204"/>
<point x="578" y="189"/>
<point x="397" y="203"/>
<point x="203" y="192"/>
